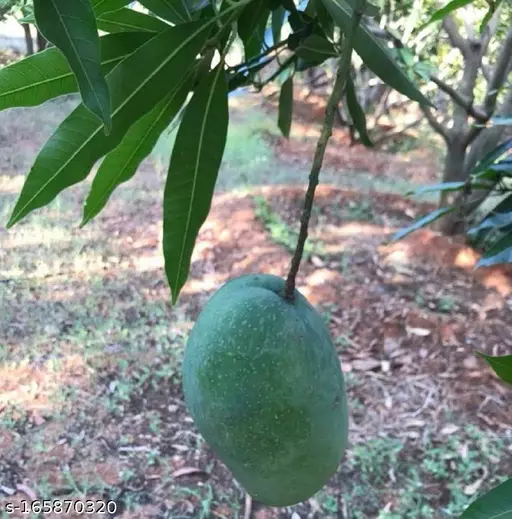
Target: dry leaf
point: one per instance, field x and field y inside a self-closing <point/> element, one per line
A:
<point x="187" y="471"/>
<point x="449" y="429"/>
<point x="470" y="362"/>
<point x="37" y="419"/>
<point x="365" y="365"/>
<point x="471" y="490"/>
<point x="7" y="490"/>
<point x="420" y="332"/>
<point x="317" y="262"/>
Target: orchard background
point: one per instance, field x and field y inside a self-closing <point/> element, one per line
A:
<point x="91" y="343"/>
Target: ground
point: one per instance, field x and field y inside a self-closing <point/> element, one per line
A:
<point x="91" y="405"/>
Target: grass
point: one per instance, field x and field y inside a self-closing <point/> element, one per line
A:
<point x="280" y="232"/>
<point x="383" y="471"/>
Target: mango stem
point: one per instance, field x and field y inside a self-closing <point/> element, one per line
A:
<point x="339" y="87"/>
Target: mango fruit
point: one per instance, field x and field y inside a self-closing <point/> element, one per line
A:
<point x="264" y="386"/>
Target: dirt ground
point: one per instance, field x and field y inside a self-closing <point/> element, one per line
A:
<point x="91" y="405"/>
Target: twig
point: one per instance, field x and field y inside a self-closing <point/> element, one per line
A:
<point x="438" y="127"/>
<point x="330" y="111"/>
<point x="468" y="106"/>
<point x="454" y="35"/>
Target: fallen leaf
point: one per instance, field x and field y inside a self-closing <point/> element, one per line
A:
<point x="449" y="429"/>
<point x="470" y="362"/>
<point x="472" y="489"/>
<point x="7" y="490"/>
<point x="27" y="491"/>
<point x="187" y="471"/>
<point x="420" y="332"/>
<point x="365" y="365"/>
<point x="37" y="419"/>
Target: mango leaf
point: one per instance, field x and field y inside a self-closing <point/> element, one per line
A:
<point x="71" y="27"/>
<point x="284" y="121"/>
<point x="136" y="84"/>
<point x="491" y="157"/>
<point x="376" y="57"/>
<point x="357" y="113"/>
<point x="324" y="17"/>
<point x="106" y="6"/>
<point x="501" y="365"/>
<point x="496" y="504"/>
<point x="418" y="224"/>
<point x="122" y="163"/>
<point x="444" y="186"/>
<point x="499" y="218"/>
<point x="174" y="11"/>
<point x="499" y="253"/>
<point x="251" y="27"/>
<point x="45" y="75"/>
<point x="126" y="19"/>
<point x="316" y="49"/>
<point x="195" y="162"/>
<point x="277" y="23"/>
<point x="445" y="11"/>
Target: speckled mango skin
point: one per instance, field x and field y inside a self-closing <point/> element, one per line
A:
<point x="265" y="388"/>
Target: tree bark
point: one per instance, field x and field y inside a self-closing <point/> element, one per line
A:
<point x="29" y="42"/>
<point x="41" y="42"/>
<point x="486" y="141"/>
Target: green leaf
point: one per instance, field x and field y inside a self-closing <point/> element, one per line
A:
<point x="106" y="6"/>
<point x="376" y="57"/>
<point x="125" y="19"/>
<point x="444" y="186"/>
<point x="46" y="75"/>
<point x="122" y="163"/>
<point x="277" y="23"/>
<point x="136" y="85"/>
<point x="498" y="218"/>
<point x="195" y="162"/>
<point x="71" y="27"/>
<point x="175" y="11"/>
<point x="422" y="222"/>
<point x="284" y="121"/>
<point x="251" y="27"/>
<point x="496" y="504"/>
<point x="501" y="365"/>
<point x="316" y="49"/>
<point x="499" y="253"/>
<point x="446" y="10"/>
<point x="325" y="18"/>
<point x="357" y="113"/>
<point x="492" y="156"/>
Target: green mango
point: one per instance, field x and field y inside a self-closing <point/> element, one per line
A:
<point x="264" y="385"/>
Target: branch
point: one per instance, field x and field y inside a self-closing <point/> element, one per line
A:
<point x="330" y="111"/>
<point x="499" y="75"/>
<point x="454" y="35"/>
<point x="498" y="78"/>
<point x="436" y="125"/>
<point x="468" y="106"/>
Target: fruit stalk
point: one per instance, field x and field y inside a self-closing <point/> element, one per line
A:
<point x="330" y="110"/>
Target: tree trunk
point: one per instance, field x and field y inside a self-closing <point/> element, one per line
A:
<point x="28" y="39"/>
<point x="41" y="42"/>
<point x="454" y="171"/>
